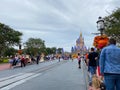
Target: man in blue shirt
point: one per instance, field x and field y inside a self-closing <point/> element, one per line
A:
<point x="110" y="65"/>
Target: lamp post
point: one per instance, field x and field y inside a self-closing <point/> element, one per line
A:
<point x="20" y="46"/>
<point x="20" y="49"/>
<point x="100" y="25"/>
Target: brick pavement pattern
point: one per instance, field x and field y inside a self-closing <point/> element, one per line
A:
<point x="4" y="66"/>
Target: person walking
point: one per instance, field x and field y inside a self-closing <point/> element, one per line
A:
<point x="110" y="65"/>
<point x="79" y="61"/>
<point x="11" y="61"/>
<point x="23" y="61"/>
<point x="59" y="58"/>
<point x="92" y="63"/>
<point x="38" y="59"/>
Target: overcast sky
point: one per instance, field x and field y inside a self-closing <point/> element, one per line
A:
<point x="58" y="22"/>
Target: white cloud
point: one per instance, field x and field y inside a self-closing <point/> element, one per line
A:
<point x="58" y="22"/>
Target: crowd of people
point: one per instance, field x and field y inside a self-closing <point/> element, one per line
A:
<point x="22" y="60"/>
<point x="95" y="80"/>
<point x="104" y="67"/>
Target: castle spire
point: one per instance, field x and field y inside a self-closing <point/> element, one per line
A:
<point x="80" y="34"/>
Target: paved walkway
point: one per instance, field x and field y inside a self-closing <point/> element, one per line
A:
<point x="66" y="76"/>
<point x="76" y="78"/>
<point x="4" y="66"/>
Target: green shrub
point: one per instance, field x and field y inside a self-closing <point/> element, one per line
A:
<point x="4" y="60"/>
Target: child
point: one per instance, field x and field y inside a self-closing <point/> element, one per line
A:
<point x="96" y="83"/>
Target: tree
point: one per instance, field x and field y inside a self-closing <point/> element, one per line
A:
<point x="35" y="46"/>
<point x="53" y="50"/>
<point x="50" y="50"/>
<point x="10" y="51"/>
<point x="8" y="37"/>
<point x="112" y="25"/>
<point x="59" y="50"/>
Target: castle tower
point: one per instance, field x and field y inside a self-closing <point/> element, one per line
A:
<point x="80" y="41"/>
<point x="80" y="46"/>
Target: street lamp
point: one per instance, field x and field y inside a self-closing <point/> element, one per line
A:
<point x="100" y="25"/>
<point x="20" y="46"/>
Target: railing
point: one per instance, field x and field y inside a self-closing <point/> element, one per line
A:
<point x="85" y="72"/>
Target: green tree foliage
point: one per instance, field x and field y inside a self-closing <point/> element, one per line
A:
<point x="10" y="51"/>
<point x="112" y="25"/>
<point x="35" y="46"/>
<point x="8" y="37"/>
<point x="59" y="50"/>
<point x="50" y="50"/>
<point x="53" y="50"/>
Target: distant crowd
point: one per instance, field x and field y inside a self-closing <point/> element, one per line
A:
<point x="23" y="60"/>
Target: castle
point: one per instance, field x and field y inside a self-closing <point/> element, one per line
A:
<point x="80" y="46"/>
